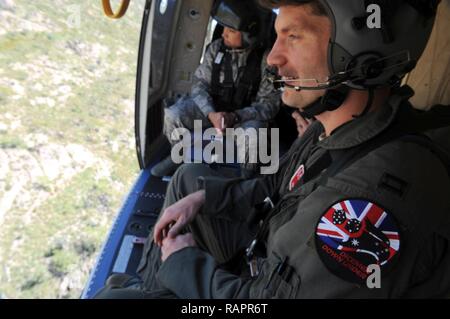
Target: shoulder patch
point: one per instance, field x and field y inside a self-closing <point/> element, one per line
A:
<point x="296" y="177"/>
<point x="354" y="234"/>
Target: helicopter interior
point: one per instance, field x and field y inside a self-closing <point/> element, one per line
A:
<point x="181" y="30"/>
<point x="174" y="37"/>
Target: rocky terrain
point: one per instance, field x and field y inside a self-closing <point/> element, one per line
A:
<point x="67" y="153"/>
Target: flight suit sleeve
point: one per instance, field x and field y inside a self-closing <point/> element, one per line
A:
<point x="267" y="102"/>
<point x="201" y="88"/>
<point x="193" y="273"/>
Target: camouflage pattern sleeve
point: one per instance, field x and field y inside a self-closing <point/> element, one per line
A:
<point x="200" y="91"/>
<point x="267" y="102"/>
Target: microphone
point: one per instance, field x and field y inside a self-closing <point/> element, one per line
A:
<point x="367" y="68"/>
<point x="316" y="85"/>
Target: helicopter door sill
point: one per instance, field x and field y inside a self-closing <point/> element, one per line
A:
<point x="128" y="243"/>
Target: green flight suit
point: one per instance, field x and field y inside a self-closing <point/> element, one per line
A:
<point x="406" y="179"/>
<point x="406" y="184"/>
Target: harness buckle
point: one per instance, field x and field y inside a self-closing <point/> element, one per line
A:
<point x="252" y="261"/>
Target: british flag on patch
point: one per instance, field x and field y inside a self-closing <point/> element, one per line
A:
<point x="360" y="227"/>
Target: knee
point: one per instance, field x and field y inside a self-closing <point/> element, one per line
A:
<point x="172" y="115"/>
<point x="120" y="280"/>
<point x="185" y="178"/>
<point x="120" y="286"/>
<point x="185" y="181"/>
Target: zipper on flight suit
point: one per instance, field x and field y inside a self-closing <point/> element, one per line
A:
<point x="286" y="202"/>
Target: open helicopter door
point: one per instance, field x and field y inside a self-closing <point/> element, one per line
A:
<point x="171" y="44"/>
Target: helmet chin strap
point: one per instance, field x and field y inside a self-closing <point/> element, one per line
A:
<point x="331" y="101"/>
<point x="237" y="50"/>
<point x="368" y="104"/>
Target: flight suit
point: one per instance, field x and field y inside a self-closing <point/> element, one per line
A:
<point x="389" y="208"/>
<point x="405" y="180"/>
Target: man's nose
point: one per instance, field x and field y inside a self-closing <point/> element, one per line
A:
<point x="276" y="57"/>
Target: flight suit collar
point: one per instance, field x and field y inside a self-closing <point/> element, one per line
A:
<point x="362" y="129"/>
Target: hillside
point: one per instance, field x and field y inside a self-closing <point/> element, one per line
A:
<point x="67" y="151"/>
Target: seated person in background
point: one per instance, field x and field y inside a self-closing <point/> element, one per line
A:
<point x="229" y="89"/>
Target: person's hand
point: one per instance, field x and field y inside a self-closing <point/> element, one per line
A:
<point x="222" y="120"/>
<point x="302" y="123"/>
<point x="230" y="119"/>
<point x="217" y="120"/>
<point x="178" y="216"/>
<point x="171" y="245"/>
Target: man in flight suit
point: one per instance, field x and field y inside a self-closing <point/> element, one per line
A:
<point x="229" y="88"/>
<point x="362" y="192"/>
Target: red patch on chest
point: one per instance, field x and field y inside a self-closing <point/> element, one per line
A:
<point x="296" y="177"/>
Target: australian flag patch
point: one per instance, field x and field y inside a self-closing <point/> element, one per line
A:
<point x="353" y="234"/>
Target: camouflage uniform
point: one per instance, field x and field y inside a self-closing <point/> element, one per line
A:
<point x="197" y="107"/>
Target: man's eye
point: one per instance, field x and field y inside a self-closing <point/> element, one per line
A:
<point x="293" y="37"/>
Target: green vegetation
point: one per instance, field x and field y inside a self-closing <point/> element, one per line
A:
<point x="67" y="155"/>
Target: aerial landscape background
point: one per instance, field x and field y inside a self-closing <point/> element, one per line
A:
<point x="67" y="149"/>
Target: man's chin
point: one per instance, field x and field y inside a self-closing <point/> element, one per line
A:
<point x="297" y="100"/>
<point x="290" y="100"/>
